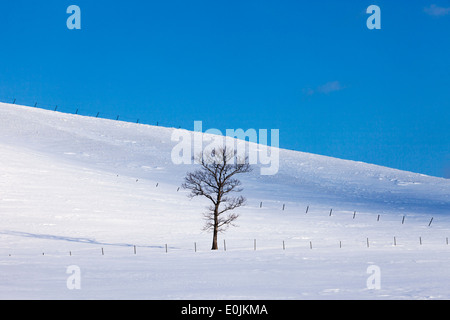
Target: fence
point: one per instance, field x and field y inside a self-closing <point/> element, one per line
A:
<point x="294" y="244"/>
<point x="319" y="245"/>
<point x="85" y="112"/>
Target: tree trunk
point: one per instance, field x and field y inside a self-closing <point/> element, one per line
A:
<point x="216" y="229"/>
<point x="214" y="243"/>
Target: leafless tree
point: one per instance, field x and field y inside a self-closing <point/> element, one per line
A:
<point x="216" y="180"/>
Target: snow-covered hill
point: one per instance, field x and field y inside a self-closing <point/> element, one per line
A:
<point x="72" y="187"/>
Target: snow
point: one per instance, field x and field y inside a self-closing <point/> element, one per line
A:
<point x="72" y="186"/>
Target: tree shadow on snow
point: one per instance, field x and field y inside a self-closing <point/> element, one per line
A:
<point x="70" y="239"/>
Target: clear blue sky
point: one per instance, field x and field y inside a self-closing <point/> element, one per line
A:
<point x="311" y="69"/>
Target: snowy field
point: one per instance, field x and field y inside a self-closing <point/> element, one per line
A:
<point x="103" y="196"/>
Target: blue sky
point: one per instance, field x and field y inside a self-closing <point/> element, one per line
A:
<point x="311" y="69"/>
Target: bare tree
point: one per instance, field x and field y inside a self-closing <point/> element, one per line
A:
<point x="216" y="180"/>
